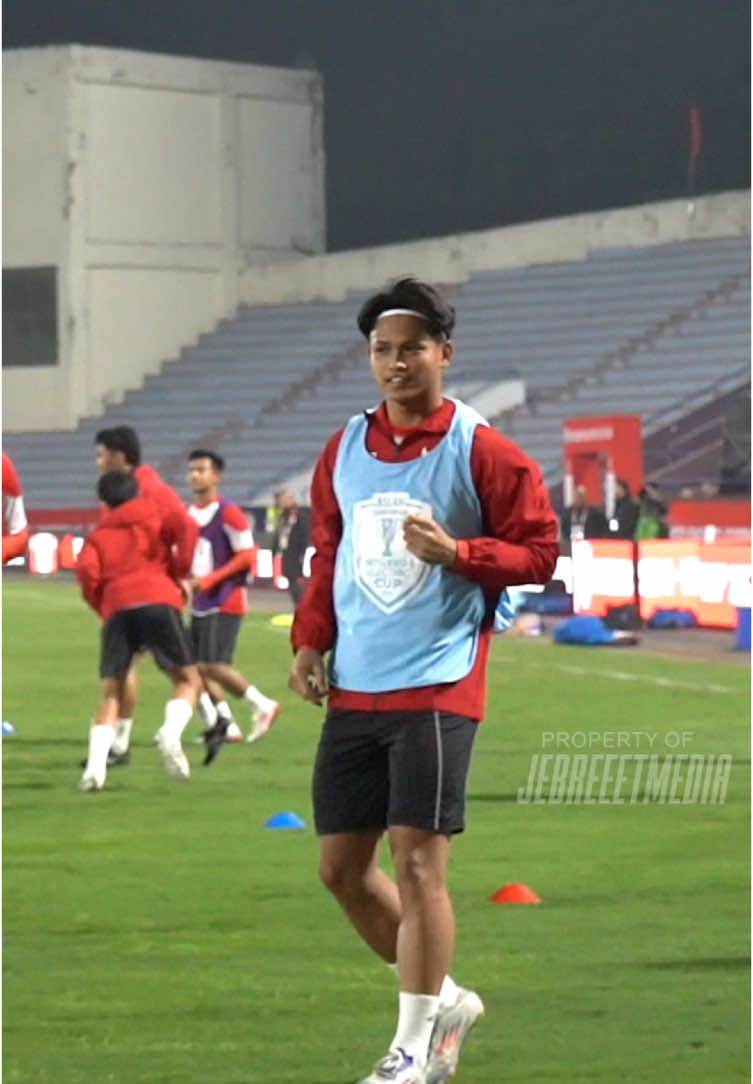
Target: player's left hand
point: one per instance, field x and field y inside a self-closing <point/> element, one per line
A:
<point x="428" y="541"/>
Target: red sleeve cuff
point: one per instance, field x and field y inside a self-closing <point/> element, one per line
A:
<point x="460" y="564"/>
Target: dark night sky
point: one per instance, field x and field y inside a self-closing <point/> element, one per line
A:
<point x="443" y="115"/>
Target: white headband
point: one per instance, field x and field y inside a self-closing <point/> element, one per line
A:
<point x="402" y="312"/>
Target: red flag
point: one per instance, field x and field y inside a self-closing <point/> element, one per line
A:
<point x="696" y="137"/>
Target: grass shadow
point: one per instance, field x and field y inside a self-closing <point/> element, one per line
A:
<point x="707" y="963"/>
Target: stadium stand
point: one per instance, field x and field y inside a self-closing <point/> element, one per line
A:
<point x="658" y="331"/>
<point x="708" y="443"/>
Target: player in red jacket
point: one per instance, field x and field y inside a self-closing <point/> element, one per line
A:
<point x="15" y="527"/>
<point x="123" y="578"/>
<point x="119" y="448"/>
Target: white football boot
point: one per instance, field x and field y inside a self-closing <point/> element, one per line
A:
<point x="263" y="718"/>
<point x="396" y="1068"/>
<point x="173" y="757"/>
<point x="452" y="1028"/>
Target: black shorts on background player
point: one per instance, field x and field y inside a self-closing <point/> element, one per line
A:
<point x="157" y="629"/>
<point x="214" y="636"/>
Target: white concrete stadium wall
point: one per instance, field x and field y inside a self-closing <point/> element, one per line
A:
<point x="173" y="176"/>
<point x="452" y="259"/>
<point x="35" y="228"/>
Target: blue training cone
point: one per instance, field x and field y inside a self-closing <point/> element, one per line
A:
<point x="8" y="728"/>
<point x="285" y="820"/>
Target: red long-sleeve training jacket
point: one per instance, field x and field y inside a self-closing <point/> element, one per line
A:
<point x="178" y="531"/>
<point x="121" y="564"/>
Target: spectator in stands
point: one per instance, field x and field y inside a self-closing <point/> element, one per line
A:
<point x="15" y="527"/>
<point x="582" y="520"/>
<point x="272" y="517"/>
<point x="652" y="514"/>
<point x="292" y="540"/>
<point x="625" y="516"/>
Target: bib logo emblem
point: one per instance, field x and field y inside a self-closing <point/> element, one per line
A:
<point x="384" y="569"/>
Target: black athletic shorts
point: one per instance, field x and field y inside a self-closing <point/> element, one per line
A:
<point x="158" y="629"/>
<point x="377" y="769"/>
<point x="214" y="636"/>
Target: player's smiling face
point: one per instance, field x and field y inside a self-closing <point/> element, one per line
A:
<point x="408" y="363"/>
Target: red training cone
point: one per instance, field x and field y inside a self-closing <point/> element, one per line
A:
<point x="515" y="894"/>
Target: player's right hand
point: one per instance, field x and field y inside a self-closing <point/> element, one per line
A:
<point x="308" y="676"/>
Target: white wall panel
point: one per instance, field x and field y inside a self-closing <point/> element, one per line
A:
<point x="36" y="399"/>
<point x="151" y="182"/>
<point x="139" y="317"/>
<point x="276" y="174"/>
<point x="35" y="159"/>
<point x="154" y="165"/>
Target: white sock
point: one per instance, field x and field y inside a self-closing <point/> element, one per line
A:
<point x="177" y="716"/>
<point x="259" y="700"/>
<point x="122" y="736"/>
<point x="448" y="993"/>
<point x="449" y="990"/>
<point x="207" y="710"/>
<point x="223" y="710"/>
<point x="415" y="1023"/>
<point x="100" y="741"/>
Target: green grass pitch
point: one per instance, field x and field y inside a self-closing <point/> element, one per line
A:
<point x="157" y="933"/>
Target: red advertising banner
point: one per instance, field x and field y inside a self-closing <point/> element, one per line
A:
<point x="692" y="519"/>
<point x="598" y="450"/>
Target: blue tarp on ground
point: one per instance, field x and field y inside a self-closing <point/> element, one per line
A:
<point x="583" y="630"/>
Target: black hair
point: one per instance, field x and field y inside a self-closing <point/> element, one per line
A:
<point x="115" y="487"/>
<point x="409" y="293"/>
<point x="625" y="485"/>
<point x="121" y="438"/>
<point x="202" y="453"/>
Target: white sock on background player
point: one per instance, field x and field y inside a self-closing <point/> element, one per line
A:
<point x="258" y="699"/>
<point x="100" y="741"/>
<point x="207" y="710"/>
<point x="122" y="741"/>
<point x="177" y="716"/>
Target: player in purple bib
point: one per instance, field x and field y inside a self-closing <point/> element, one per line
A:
<point x="222" y="560"/>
